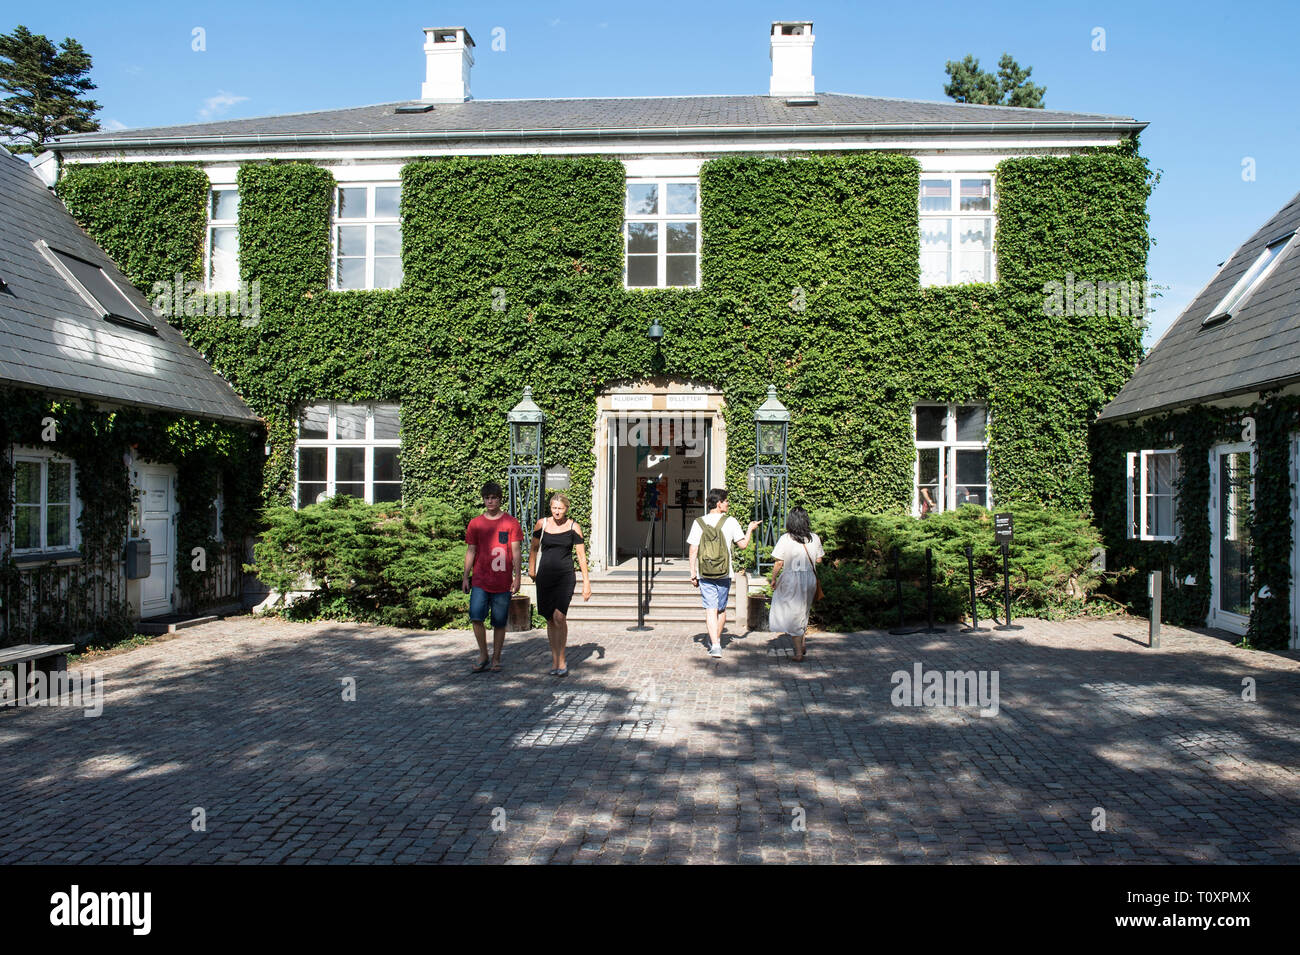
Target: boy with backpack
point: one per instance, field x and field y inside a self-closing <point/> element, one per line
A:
<point x="711" y="539"/>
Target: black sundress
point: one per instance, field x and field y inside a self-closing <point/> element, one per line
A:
<point x="555" y="576"/>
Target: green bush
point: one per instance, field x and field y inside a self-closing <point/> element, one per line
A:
<point x="1051" y="566"/>
<point x="394" y="564"/>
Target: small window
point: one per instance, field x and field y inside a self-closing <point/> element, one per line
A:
<point x="368" y="236"/>
<point x="223" y="239"/>
<point x="96" y="288"/>
<point x="1152" y="495"/>
<point x="1240" y="293"/>
<point x="956" y="218"/>
<point x="45" y="503"/>
<point x="661" y="232"/>
<point x="349" y="449"/>
<point x="952" y="459"/>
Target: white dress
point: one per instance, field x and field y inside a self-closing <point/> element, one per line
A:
<point x="793" y="596"/>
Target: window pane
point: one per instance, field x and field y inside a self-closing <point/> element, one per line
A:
<point x="388" y="273"/>
<point x="352" y="202"/>
<point x="974" y="267"/>
<point x="352" y="240"/>
<point x="314" y="422"/>
<point x="387" y="492"/>
<point x="976" y="234"/>
<point x="58" y="526"/>
<point x="928" y="480"/>
<point x="388" y="240"/>
<point x="352" y="273"/>
<point x="936" y="234"/>
<point x="936" y="195"/>
<point x="976" y="195"/>
<point x="388" y="202"/>
<point x="934" y="268"/>
<point x="387" y="466"/>
<point x="349" y="464"/>
<point x="59" y="488"/>
<point x="1160" y="474"/>
<point x="681" y="236"/>
<point x="642" y="237"/>
<point x="681" y="199"/>
<point x="27" y="478"/>
<point x="642" y="271"/>
<point x="929" y="422"/>
<point x="681" y="270"/>
<point x="352" y="490"/>
<point x="387" y="419"/>
<point x="972" y="494"/>
<point x="225" y="204"/>
<point x="970" y="423"/>
<point x="310" y="494"/>
<point x="27" y="527"/>
<point x="1160" y="516"/>
<point x="350" y="422"/>
<point x="311" y="464"/>
<point x="224" y="270"/>
<point x="642" y="199"/>
<point x="972" y="468"/>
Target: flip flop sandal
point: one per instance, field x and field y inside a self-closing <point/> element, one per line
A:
<point x="481" y="667"/>
<point x="496" y="667"/>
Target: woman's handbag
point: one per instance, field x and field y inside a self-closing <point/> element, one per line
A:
<point x="819" y="595"/>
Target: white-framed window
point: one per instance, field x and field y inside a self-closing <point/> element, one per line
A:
<point x="222" y="253"/>
<point x="952" y="457"/>
<point x="45" y="503"/>
<point x="661" y="233"/>
<point x="1152" y="495"/>
<point x="1240" y="292"/>
<point x="957" y="222"/>
<point x="348" y="449"/>
<point x="367" y="235"/>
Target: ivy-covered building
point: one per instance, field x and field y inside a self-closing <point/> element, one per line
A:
<point x="883" y="263"/>
<point x="113" y="431"/>
<point x="1197" y="457"/>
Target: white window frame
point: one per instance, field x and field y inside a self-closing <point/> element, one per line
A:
<point x="331" y="444"/>
<point x="44" y="457"/>
<point x="1241" y="291"/>
<point x="369" y="221"/>
<point x="1136" y="470"/>
<point x="947" y="475"/>
<point x="662" y="219"/>
<point x="214" y="224"/>
<point x="953" y="216"/>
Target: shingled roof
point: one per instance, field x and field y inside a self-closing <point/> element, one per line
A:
<point x="613" y="118"/>
<point x="51" y="338"/>
<point x="1258" y="347"/>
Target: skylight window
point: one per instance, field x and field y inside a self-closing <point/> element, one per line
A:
<point x="1241" y="292"/>
<point x="99" y="291"/>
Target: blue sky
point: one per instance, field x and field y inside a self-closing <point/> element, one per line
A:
<point x="1211" y="79"/>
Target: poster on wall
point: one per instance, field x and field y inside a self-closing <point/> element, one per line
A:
<point x="690" y="493"/>
<point x="651" y="494"/>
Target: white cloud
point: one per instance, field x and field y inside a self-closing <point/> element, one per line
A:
<point x="112" y="125"/>
<point x="214" y="106"/>
<point x="133" y="69"/>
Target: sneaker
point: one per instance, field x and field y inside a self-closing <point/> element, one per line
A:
<point x="715" y="650"/>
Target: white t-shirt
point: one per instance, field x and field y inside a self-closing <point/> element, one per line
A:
<point x="792" y="552"/>
<point x="731" y="533"/>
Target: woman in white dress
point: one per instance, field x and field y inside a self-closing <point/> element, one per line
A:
<point x="794" y="577"/>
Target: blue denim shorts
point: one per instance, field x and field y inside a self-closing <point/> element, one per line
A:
<point x="479" y="601"/>
<point x="714" y="591"/>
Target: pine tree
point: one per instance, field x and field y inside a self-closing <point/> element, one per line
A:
<point x="43" y="88"/>
<point x="1010" y="86"/>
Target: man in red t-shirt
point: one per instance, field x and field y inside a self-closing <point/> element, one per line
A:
<point x="493" y="559"/>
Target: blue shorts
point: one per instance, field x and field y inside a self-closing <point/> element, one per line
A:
<point x="479" y="601"/>
<point x="714" y="591"/>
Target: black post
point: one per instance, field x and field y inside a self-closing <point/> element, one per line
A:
<point x="898" y="583"/>
<point x="929" y="596"/>
<point x="1006" y="591"/>
<point x="640" y="591"/>
<point x="974" y="611"/>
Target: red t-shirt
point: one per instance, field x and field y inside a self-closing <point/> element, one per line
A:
<point x="492" y="563"/>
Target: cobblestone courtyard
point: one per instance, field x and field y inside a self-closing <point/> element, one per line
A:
<point x="649" y="751"/>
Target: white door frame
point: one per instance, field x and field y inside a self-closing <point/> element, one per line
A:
<point x="1222" y="619"/>
<point x="167" y="566"/>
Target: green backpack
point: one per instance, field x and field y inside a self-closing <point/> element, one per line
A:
<point x="714" y="557"/>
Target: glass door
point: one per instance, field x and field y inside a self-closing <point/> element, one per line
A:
<point x="1231" y="503"/>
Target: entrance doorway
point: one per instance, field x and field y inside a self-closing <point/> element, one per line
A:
<point x="154" y="520"/>
<point x="1232" y="486"/>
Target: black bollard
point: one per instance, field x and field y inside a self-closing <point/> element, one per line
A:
<point x="929" y="596"/>
<point x="974" y="612"/>
<point x="1006" y="592"/>
<point x="902" y="628"/>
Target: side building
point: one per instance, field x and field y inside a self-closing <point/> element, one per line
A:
<point x="649" y="266"/>
<point x="1197" y="457"/>
<point x="125" y="461"/>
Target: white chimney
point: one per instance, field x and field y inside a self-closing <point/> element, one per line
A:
<point x="447" y="59"/>
<point x="792" y="45"/>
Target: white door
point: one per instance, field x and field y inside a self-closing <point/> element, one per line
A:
<point x="157" y="485"/>
<point x="1295" y="542"/>
<point x="1232" y="487"/>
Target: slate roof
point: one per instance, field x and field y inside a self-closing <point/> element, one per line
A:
<point x="1258" y="347"/>
<point x="51" y="339"/>
<point x="614" y="118"/>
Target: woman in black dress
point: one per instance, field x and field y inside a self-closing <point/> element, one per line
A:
<point x="555" y="539"/>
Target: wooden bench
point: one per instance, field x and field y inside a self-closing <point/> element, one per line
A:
<point x="49" y="657"/>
